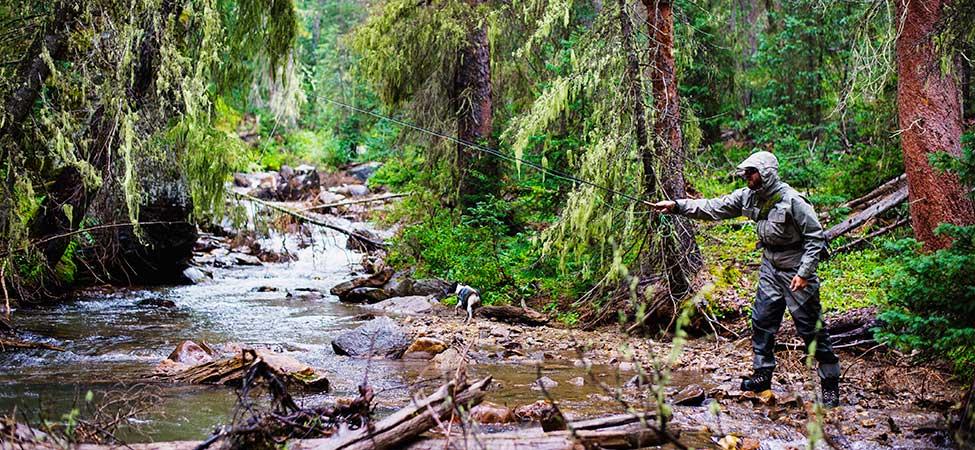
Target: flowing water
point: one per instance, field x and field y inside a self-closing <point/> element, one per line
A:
<point x="114" y="337"/>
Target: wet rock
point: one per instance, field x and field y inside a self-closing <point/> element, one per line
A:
<point x="157" y="303"/>
<point x="266" y="289"/>
<point x="241" y="180"/>
<point x="328" y="197"/>
<point x="500" y="332"/>
<point x="412" y="305"/>
<point x="353" y="190"/>
<point x="691" y="395"/>
<point x="194" y="275"/>
<point x="191" y="353"/>
<point x="534" y="412"/>
<point x="378" y="337"/>
<point x="766" y="397"/>
<point x="431" y="286"/>
<point x="376" y="280"/>
<point x="245" y="259"/>
<point x="544" y="383"/>
<point x="543" y="412"/>
<point x="449" y="360"/>
<point x="358" y="190"/>
<point x="364" y="171"/>
<point x="433" y="346"/>
<point x="297" y="184"/>
<point x="365" y="295"/>
<point x="491" y="413"/>
<point x="400" y="285"/>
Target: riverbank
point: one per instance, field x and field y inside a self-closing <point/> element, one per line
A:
<point x="279" y="298"/>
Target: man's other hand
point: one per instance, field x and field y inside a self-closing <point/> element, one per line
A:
<point x="665" y="206"/>
<point x="798" y="283"/>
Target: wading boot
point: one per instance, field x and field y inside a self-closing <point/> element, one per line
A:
<point x="761" y="380"/>
<point x="831" y="391"/>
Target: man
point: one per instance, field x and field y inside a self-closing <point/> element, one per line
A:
<point x="792" y="241"/>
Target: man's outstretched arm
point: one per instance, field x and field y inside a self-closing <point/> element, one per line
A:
<point x="724" y="207"/>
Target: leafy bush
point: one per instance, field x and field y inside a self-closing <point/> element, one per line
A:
<point x="479" y="248"/>
<point x="933" y="300"/>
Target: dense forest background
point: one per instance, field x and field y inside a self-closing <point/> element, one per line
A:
<point x="123" y="121"/>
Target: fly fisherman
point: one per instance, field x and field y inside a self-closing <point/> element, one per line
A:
<point x="792" y="241"/>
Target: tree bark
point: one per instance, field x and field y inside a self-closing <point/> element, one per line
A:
<point x="929" y="112"/>
<point x="472" y="102"/>
<point x="683" y="258"/>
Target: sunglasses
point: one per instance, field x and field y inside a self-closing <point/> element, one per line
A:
<point x="748" y="172"/>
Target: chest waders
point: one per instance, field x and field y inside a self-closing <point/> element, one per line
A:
<point x="793" y="241"/>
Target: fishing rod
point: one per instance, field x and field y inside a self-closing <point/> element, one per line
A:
<point x="488" y="150"/>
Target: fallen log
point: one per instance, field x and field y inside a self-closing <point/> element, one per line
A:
<point x="379" y="198"/>
<point x="407" y="423"/>
<point x="891" y="200"/>
<point x="231" y="371"/>
<point x="884" y="189"/>
<point x="17" y="343"/>
<point x="512" y="314"/>
<point x="304" y="218"/>
<point x="623" y="431"/>
<point x="853" y="328"/>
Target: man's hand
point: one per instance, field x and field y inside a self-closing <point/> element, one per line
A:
<point x="665" y="206"/>
<point x="798" y="283"/>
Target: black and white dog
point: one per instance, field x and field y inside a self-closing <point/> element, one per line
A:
<point x="467" y="298"/>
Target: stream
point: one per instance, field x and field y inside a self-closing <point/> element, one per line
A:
<point x="113" y="337"/>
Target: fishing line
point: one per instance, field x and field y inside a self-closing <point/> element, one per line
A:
<point x="488" y="150"/>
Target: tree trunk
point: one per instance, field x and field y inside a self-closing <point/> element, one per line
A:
<point x="635" y="85"/>
<point x="472" y="102"/>
<point x="929" y="111"/>
<point x="683" y="258"/>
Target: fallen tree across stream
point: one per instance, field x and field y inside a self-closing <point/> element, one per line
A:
<point x="305" y="218"/>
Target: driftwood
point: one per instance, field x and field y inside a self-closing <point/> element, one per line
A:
<point x="17" y="343"/>
<point x="407" y="423"/>
<point x="879" y="207"/>
<point x="513" y="315"/>
<point x="231" y="371"/>
<point x="304" y="218"/>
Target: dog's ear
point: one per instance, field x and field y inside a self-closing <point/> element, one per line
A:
<point x="453" y="287"/>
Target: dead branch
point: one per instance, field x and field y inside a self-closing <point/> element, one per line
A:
<point x="860" y="241"/>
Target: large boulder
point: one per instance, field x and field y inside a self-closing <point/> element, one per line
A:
<point x="377" y="337"/>
<point x="401" y="285"/>
<point x="364" y="171"/>
<point x="438" y="288"/>
<point x="411" y="305"/>
<point x="365" y="295"/>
